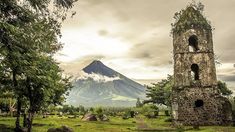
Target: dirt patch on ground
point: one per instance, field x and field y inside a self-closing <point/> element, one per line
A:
<point x="141" y="123"/>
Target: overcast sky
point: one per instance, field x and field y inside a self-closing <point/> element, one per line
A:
<point x="133" y="36"/>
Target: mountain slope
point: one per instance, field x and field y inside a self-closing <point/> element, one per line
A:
<point x="102" y="86"/>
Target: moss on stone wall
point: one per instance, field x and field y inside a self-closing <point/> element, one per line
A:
<point x="189" y="18"/>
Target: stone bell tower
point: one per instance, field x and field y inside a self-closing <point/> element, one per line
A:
<point x="196" y="99"/>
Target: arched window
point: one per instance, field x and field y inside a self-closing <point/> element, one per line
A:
<point x="195" y="71"/>
<point x="193" y="43"/>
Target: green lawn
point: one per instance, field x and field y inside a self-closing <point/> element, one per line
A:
<point x="116" y="124"/>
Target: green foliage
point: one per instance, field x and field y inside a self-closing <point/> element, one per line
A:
<point x="168" y="119"/>
<point x="232" y="101"/>
<point x="82" y="110"/>
<point x="224" y="90"/>
<point x="167" y="113"/>
<point x="71" y="110"/>
<point x="91" y="109"/>
<point x="129" y="113"/>
<point x="139" y="103"/>
<point x="29" y="34"/>
<point x="99" y="112"/>
<point x="7" y="101"/>
<point x="150" y="110"/>
<point x="115" y="111"/>
<point x="160" y="92"/>
<point x="191" y="17"/>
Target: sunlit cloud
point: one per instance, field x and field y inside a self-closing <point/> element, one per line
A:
<point x="97" y="77"/>
<point x="86" y="42"/>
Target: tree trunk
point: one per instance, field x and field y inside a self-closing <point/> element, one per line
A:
<point x="25" y="123"/>
<point x="31" y="105"/>
<point x="30" y="120"/>
<point x="17" y="123"/>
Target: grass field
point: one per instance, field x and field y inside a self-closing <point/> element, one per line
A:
<point x="116" y="124"/>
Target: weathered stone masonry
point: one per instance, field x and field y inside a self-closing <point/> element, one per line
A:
<point x="196" y="99"/>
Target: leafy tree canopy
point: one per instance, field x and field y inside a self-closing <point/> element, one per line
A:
<point x="160" y="92"/>
<point x="29" y="31"/>
<point x="224" y="90"/>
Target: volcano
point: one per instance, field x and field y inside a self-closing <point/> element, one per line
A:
<point x="99" y="85"/>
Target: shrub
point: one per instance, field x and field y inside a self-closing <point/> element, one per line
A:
<point x="99" y="112"/>
<point x="167" y="113"/>
<point x="150" y="110"/>
<point x="91" y="109"/>
<point x="168" y="120"/>
<point x="233" y="117"/>
<point x="129" y="114"/>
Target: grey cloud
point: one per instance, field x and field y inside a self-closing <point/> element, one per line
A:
<point x="225" y="48"/>
<point x="75" y="67"/>
<point x="228" y="71"/>
<point x="226" y="74"/>
<point x="227" y="77"/>
<point x="152" y="52"/>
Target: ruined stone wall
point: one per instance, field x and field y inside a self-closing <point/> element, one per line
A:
<point x="197" y="102"/>
<point x="207" y="114"/>
<point x="204" y="58"/>
<point x="205" y="43"/>
<point x="182" y="69"/>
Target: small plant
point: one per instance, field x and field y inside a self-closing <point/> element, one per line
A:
<point x="167" y="113"/>
<point x="82" y="110"/>
<point x="179" y="127"/>
<point x="99" y="112"/>
<point x="168" y="120"/>
<point x="129" y="114"/>
<point x="139" y="103"/>
<point x="91" y="109"/>
<point x="150" y="111"/>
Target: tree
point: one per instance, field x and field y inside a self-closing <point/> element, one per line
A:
<point x="224" y="90"/>
<point x="29" y="30"/>
<point x="82" y="110"/>
<point x="45" y="86"/>
<point x="138" y="103"/>
<point x="150" y="110"/>
<point x="160" y="92"/>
